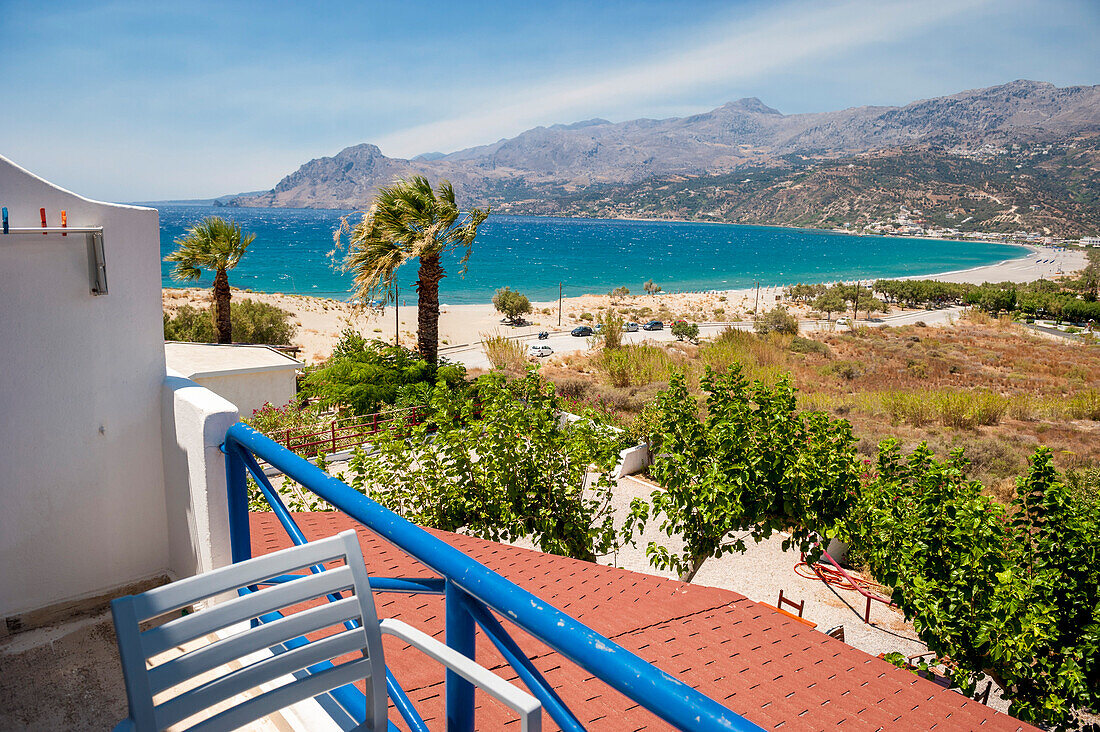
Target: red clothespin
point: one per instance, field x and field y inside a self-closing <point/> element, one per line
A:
<point x="64" y="222"/>
<point x="42" y="213"/>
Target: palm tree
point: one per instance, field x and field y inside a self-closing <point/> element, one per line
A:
<point x="409" y="220"/>
<point x="215" y="245"/>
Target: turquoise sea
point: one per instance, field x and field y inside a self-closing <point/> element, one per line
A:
<point x="534" y="254"/>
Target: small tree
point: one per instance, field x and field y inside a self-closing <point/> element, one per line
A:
<point x="650" y="288"/>
<point x="619" y="292"/>
<point x="506" y="471"/>
<point x="752" y="463"/>
<point x="683" y="329"/>
<point x="830" y="302"/>
<point x="511" y="303"/>
<point x="777" y="321"/>
<point x="1015" y="595"/>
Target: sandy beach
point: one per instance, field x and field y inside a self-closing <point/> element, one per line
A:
<point x="320" y="320"/>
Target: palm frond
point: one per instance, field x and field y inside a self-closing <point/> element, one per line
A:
<point x="407" y="220"/>
<point x="211" y="244"/>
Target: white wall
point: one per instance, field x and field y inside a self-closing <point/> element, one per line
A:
<point x="195" y="421"/>
<point x="250" y="390"/>
<point x="82" y="501"/>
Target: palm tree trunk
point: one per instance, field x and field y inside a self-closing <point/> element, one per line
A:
<point x="222" y="323"/>
<point x="427" y="310"/>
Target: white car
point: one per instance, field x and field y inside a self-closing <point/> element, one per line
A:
<point x="843" y="321"/>
<point x="539" y="349"/>
<point x="630" y="327"/>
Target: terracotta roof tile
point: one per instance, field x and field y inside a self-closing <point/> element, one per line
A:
<point x="775" y="671"/>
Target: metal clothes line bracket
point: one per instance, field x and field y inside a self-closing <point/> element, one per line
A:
<point x="97" y="263"/>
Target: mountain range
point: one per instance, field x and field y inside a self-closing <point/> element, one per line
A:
<point x="1019" y="155"/>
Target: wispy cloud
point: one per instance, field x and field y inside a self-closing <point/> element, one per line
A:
<point x="783" y="36"/>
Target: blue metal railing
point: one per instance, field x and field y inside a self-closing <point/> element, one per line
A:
<point x="470" y="590"/>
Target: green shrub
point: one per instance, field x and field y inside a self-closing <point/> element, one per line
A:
<point x="808" y="345"/>
<point x="683" y="329"/>
<point x="253" y="322"/>
<point x="508" y="470"/>
<point x="847" y="370"/>
<point x="191" y="325"/>
<point x="1013" y="594"/>
<point x="587" y="317"/>
<point x="777" y="321"/>
<point x="363" y="376"/>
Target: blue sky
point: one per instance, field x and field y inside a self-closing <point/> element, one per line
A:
<point x="140" y="100"/>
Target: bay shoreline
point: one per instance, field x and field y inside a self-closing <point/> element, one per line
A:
<point x="320" y="320"/>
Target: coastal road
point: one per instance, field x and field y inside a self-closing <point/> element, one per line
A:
<point x="473" y="356"/>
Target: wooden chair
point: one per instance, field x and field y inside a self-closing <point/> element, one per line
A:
<point x="224" y="673"/>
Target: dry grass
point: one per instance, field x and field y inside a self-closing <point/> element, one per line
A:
<point x="634" y="365"/>
<point x="503" y="353"/>
<point x="990" y="388"/>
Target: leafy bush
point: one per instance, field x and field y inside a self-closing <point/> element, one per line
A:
<point x="1013" y="595"/>
<point x="253" y="322"/>
<point x="808" y="345"/>
<point x="777" y="321"/>
<point x="511" y="303"/>
<point x="362" y="376"/>
<point x="273" y="421"/>
<point x="683" y="329"/>
<point x="586" y="317"/>
<point x="847" y="370"/>
<point x="753" y="463"/>
<point x="511" y="471"/>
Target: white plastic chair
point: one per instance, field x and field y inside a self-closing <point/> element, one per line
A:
<point x="290" y="657"/>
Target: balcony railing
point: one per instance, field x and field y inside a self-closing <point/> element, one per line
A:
<point x="470" y="591"/>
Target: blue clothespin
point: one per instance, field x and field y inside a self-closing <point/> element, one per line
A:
<point x="5" y="219"/>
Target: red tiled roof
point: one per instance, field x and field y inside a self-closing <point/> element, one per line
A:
<point x="771" y="669"/>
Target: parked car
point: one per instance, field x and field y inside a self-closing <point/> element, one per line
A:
<point x="599" y="327"/>
<point x="654" y="325"/>
<point x="843" y="321"/>
<point x="630" y="327"/>
<point x="539" y="350"/>
<point x="581" y="331"/>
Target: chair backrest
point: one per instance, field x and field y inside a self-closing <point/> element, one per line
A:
<point x="351" y="620"/>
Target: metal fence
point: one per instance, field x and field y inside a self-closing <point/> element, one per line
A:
<point x="348" y="432"/>
<point x="471" y="591"/>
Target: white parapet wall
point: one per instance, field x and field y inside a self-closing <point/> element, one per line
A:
<point x="195" y="422"/>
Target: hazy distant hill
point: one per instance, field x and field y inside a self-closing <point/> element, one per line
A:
<point x="962" y="145"/>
